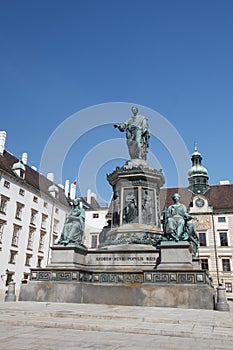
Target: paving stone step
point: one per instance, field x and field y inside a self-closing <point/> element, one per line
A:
<point x="88" y="316"/>
<point x="101" y="313"/>
<point x="117" y="324"/>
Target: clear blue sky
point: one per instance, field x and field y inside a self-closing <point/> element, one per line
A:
<point x="175" y="57"/>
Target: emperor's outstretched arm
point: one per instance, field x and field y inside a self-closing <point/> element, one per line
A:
<point x="121" y="127"/>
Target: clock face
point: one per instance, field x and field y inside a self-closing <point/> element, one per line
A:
<point x="199" y="202"/>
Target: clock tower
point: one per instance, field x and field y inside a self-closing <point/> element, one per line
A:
<point x="198" y="175"/>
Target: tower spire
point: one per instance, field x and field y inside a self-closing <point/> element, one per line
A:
<point x="198" y="175"/>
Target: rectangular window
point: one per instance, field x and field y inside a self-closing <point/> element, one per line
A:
<point x="221" y="219"/>
<point x="95" y="216"/>
<point x="18" y="212"/>
<point x="35" y="199"/>
<point x="226" y="265"/>
<point x="44" y="221"/>
<point x="30" y="239"/>
<point x="228" y="287"/>
<point x="1" y="230"/>
<point x="33" y="217"/>
<point x="223" y="239"/>
<point x="13" y="254"/>
<point x="21" y="192"/>
<point x="94" y="241"/>
<point x="55" y="225"/>
<point x="3" y="204"/>
<point x="41" y="242"/>
<point x="204" y="264"/>
<point x="9" y="277"/>
<point x="56" y="210"/>
<point x="6" y="184"/>
<point x="28" y="260"/>
<point x="39" y="261"/>
<point x="54" y="238"/>
<point x="15" y="236"/>
<point x="25" y="277"/>
<point x="45" y="204"/>
<point x="202" y="239"/>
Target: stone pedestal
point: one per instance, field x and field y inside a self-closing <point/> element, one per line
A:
<point x="135" y="204"/>
<point x="175" y="256"/>
<point x="68" y="257"/>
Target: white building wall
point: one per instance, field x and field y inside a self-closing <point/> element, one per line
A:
<point x="53" y="211"/>
<point x="94" y="224"/>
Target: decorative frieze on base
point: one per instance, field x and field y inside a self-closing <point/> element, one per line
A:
<point x="191" y="277"/>
<point x="118" y="277"/>
<point x="86" y="276"/>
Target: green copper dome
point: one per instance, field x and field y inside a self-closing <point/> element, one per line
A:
<point x="197" y="170"/>
<point x="18" y="166"/>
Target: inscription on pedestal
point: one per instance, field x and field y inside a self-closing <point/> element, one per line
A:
<point x="123" y="259"/>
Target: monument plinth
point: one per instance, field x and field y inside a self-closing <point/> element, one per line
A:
<point x="175" y="256"/>
<point x="135" y="204"/>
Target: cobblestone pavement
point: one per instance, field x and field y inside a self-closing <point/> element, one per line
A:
<point x="23" y="338"/>
<point x="44" y="326"/>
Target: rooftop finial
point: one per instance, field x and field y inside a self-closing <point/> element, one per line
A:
<point x="195" y="146"/>
<point x="2" y="141"/>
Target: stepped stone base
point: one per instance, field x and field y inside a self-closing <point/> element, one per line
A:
<point x="176" y="296"/>
<point x="121" y="275"/>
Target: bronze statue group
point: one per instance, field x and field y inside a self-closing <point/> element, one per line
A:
<point x="176" y="219"/>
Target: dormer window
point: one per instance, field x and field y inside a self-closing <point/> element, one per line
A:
<point x="54" y="191"/>
<point x="19" y="169"/>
